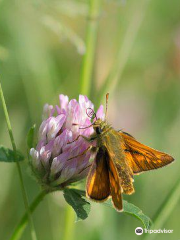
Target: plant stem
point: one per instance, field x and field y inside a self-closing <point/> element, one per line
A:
<point x="25" y="199"/>
<point x="124" y="49"/>
<point x="85" y="86"/>
<point x="91" y="35"/>
<point x="23" y="222"/>
<point x="165" y="210"/>
<point x="69" y="224"/>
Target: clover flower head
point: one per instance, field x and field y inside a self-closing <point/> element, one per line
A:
<point x="54" y="159"/>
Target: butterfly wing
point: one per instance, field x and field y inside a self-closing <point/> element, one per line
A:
<point x="98" y="185"/>
<point x="115" y="187"/>
<point x="141" y="157"/>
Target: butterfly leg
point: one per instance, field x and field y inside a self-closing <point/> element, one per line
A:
<point x="90" y="148"/>
<point x="90" y="139"/>
<point x="87" y="139"/>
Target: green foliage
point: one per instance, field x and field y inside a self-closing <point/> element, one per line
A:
<point x="137" y="212"/>
<point x="131" y="209"/>
<point x="30" y="137"/>
<point x="8" y="155"/>
<point x="75" y="198"/>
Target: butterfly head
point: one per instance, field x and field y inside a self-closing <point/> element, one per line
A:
<point x="99" y="126"/>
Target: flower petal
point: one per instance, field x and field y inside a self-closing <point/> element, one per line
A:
<point x="85" y="103"/>
<point x="67" y="172"/>
<point x="63" y="101"/>
<point x="60" y="141"/>
<point x="58" y="163"/>
<point x="35" y="158"/>
<point x="44" y="157"/>
<point x="73" y="116"/>
<point x="100" y="113"/>
<point x="48" y="111"/>
<point x="54" y="126"/>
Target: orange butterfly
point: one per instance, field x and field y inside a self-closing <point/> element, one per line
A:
<point x="119" y="157"/>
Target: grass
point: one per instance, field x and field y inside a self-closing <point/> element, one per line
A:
<point x="24" y="194"/>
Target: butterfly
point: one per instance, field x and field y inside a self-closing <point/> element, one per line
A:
<point x="118" y="157"/>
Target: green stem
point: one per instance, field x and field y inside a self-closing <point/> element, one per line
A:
<point x="23" y="222"/>
<point x="85" y="86"/>
<point x="91" y="35"/>
<point x="165" y="210"/>
<point x="124" y="49"/>
<point x="69" y="223"/>
<point x="33" y="233"/>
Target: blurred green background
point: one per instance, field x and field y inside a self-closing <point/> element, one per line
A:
<point x="41" y="50"/>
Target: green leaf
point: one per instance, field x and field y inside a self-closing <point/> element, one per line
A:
<point x="75" y="198"/>
<point x="8" y="155"/>
<point x="30" y="137"/>
<point x="131" y="209"/>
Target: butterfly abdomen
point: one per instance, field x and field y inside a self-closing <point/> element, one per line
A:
<point x="113" y="143"/>
<point x="126" y="178"/>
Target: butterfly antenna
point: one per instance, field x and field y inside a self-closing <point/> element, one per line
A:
<point x="91" y="114"/>
<point x="107" y="97"/>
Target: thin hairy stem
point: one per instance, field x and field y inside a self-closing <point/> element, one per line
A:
<point x="25" y="199"/>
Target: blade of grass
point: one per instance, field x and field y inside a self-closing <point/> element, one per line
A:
<point x="124" y="49"/>
<point x="165" y="210"/>
<point x="61" y="29"/>
<point x="25" y="199"/>
<point x="85" y="85"/>
<point x="23" y="222"/>
<point x="91" y="35"/>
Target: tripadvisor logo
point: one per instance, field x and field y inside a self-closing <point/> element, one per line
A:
<point x="139" y="231"/>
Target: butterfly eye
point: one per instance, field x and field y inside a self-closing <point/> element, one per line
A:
<point x="98" y="130"/>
